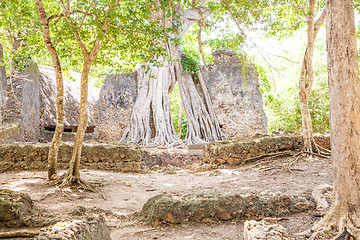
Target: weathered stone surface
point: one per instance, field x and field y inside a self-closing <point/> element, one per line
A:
<point x="237" y="152"/>
<point x="9" y="132"/>
<point x="71" y="99"/>
<point x="66" y="136"/>
<point x="91" y="228"/>
<point x="264" y="229"/>
<point x="234" y="91"/>
<point x="210" y="208"/>
<point x="14" y="207"/>
<point x="31" y="103"/>
<point x="124" y="157"/>
<point x="22" y="104"/>
<point x="113" y="109"/>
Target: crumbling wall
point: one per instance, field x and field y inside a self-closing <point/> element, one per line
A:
<point x="234" y="91"/>
<point x="113" y="109"/>
<point x="21" y="107"/>
<point x="239" y="152"/>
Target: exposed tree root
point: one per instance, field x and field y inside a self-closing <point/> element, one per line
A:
<point x="317" y="154"/>
<point x="275" y="154"/>
<point x="20" y="233"/>
<point x="68" y="180"/>
<point x="335" y="220"/>
<point x="297" y="157"/>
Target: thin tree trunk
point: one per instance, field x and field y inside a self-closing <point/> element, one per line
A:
<point x="73" y="175"/>
<point x="344" y="92"/>
<point x="2" y="83"/>
<point x="306" y="79"/>
<point x="55" y="143"/>
<point x="74" y="169"/>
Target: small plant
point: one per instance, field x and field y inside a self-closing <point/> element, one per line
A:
<point x="190" y="62"/>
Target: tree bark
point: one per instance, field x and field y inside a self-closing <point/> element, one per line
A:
<point x="202" y="125"/>
<point x="73" y="175"/>
<point x="344" y="92"/>
<point x="154" y="92"/>
<point x="74" y="169"/>
<point x="55" y="143"/>
<point x="153" y="98"/>
<point x="2" y="83"/>
<point x="306" y="79"/>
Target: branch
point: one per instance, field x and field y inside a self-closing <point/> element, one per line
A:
<point x="319" y="22"/>
<point x="66" y="9"/>
<point x="192" y="15"/>
<point x="86" y="13"/>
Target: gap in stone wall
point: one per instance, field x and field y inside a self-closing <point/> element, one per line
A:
<point x="175" y="107"/>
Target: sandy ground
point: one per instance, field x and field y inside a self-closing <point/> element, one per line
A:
<point x="126" y="193"/>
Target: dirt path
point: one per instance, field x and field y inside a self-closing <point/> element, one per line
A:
<point x="126" y="193"/>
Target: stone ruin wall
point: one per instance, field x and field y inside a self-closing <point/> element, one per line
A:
<point x="123" y="157"/>
<point x="235" y="95"/>
<point x="27" y="103"/>
<point x="233" y="88"/>
<point x="20" y="102"/>
<point x="113" y="108"/>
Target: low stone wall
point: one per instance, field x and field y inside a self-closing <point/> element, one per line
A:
<point x="123" y="157"/>
<point x="238" y="152"/>
<point x="213" y="208"/>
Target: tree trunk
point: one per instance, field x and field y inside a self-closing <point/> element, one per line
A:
<point x="154" y="92"/>
<point x="74" y="169"/>
<point x="73" y="175"/>
<point x="306" y="79"/>
<point x="344" y="92"/>
<point x="2" y="84"/>
<point x="55" y="143"/>
<point x="153" y="97"/>
<point x="139" y="130"/>
<point x="202" y="123"/>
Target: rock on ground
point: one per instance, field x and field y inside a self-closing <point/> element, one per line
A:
<point x="14" y="207"/>
<point x="90" y="228"/>
<point x="266" y="229"/>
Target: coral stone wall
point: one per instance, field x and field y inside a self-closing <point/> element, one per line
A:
<point x="21" y="105"/>
<point x="118" y="157"/>
<point x="234" y="91"/>
<point x="113" y="109"/>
